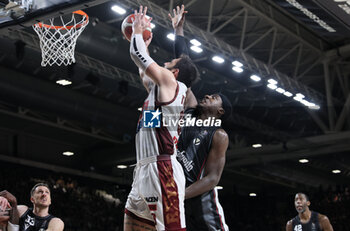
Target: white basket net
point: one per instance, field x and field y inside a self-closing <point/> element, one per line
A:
<point x="57" y="43"/>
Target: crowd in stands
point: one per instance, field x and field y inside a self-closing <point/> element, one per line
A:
<point x="85" y="204"/>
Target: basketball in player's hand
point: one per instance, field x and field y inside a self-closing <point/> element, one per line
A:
<point x="127" y="28"/>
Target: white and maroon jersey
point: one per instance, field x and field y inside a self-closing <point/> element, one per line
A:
<point x="162" y="140"/>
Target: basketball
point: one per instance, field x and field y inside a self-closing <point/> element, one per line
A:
<point x="127" y="28"/>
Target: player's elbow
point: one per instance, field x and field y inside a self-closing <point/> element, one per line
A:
<point x="213" y="181"/>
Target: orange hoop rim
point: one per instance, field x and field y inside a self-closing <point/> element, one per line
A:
<point x="80" y="12"/>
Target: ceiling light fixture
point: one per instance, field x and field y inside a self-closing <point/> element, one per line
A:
<point x="195" y="42"/>
<point x="218" y="59"/>
<point x="118" y="9"/>
<point x="196" y="49"/>
<point x="237" y="69"/>
<point x="68" y="153"/>
<point x="255" y="78"/>
<point x="171" y="36"/>
<point x="63" y="82"/>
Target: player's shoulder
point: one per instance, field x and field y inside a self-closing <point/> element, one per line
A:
<point x="220" y="134"/>
<point x="182" y="86"/>
<point x="22" y="209"/>
<point x="56" y="224"/>
<point x="322" y="218"/>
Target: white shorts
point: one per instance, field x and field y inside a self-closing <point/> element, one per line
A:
<point x="158" y="193"/>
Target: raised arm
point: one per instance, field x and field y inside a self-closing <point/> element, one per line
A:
<point x="213" y="167"/>
<point x="180" y="47"/>
<point x="177" y="20"/>
<point x="146" y="81"/>
<point x="160" y="75"/>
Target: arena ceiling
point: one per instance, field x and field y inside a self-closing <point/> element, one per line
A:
<point x="303" y="45"/>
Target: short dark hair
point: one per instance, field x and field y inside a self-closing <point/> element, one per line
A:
<point x="188" y="72"/>
<point x="37" y="185"/>
<point x="306" y="196"/>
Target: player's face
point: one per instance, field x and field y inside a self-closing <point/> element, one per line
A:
<point x="301" y="203"/>
<point x="212" y="101"/>
<point x="41" y="196"/>
<point x="170" y="65"/>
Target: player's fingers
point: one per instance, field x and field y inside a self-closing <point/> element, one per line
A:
<point x="174" y="11"/>
<point x="140" y="10"/>
<point x="178" y="9"/>
<point x="145" y="11"/>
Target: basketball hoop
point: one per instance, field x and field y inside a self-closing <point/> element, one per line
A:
<point x="57" y="43"/>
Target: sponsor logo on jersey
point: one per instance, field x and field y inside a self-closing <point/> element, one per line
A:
<point x="188" y="165"/>
<point x="196" y="141"/>
<point x="151" y="199"/>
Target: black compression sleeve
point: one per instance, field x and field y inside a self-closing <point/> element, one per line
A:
<point x="180" y="46"/>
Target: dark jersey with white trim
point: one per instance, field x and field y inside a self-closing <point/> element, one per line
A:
<point x="193" y="149"/>
<point x="312" y="225"/>
<point x="31" y="222"/>
<point x="203" y="212"/>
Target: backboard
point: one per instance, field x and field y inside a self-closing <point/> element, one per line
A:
<point x="25" y="13"/>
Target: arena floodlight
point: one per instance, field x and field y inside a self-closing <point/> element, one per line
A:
<point x="237" y="64"/>
<point x="171" y="36"/>
<point x="255" y="78"/>
<point x="280" y="90"/>
<point x="336" y="171"/>
<point x="272" y="81"/>
<point x="139" y="109"/>
<point x="219" y="187"/>
<point x="303" y="161"/>
<point x="118" y="9"/>
<point x="272" y="86"/>
<point x="63" y="82"/>
<point x="288" y="94"/>
<point x="218" y="59"/>
<point x="237" y="69"/>
<point x="195" y="42"/>
<point x="299" y="95"/>
<point x="257" y="145"/>
<point x="196" y="49"/>
<point x="252" y="194"/>
<point x="314" y="107"/>
<point x="68" y="153"/>
<point x="121" y="166"/>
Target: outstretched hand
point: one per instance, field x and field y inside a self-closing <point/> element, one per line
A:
<point x="179" y="17"/>
<point x="10" y="198"/>
<point x="140" y="23"/>
<point x="4" y="204"/>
